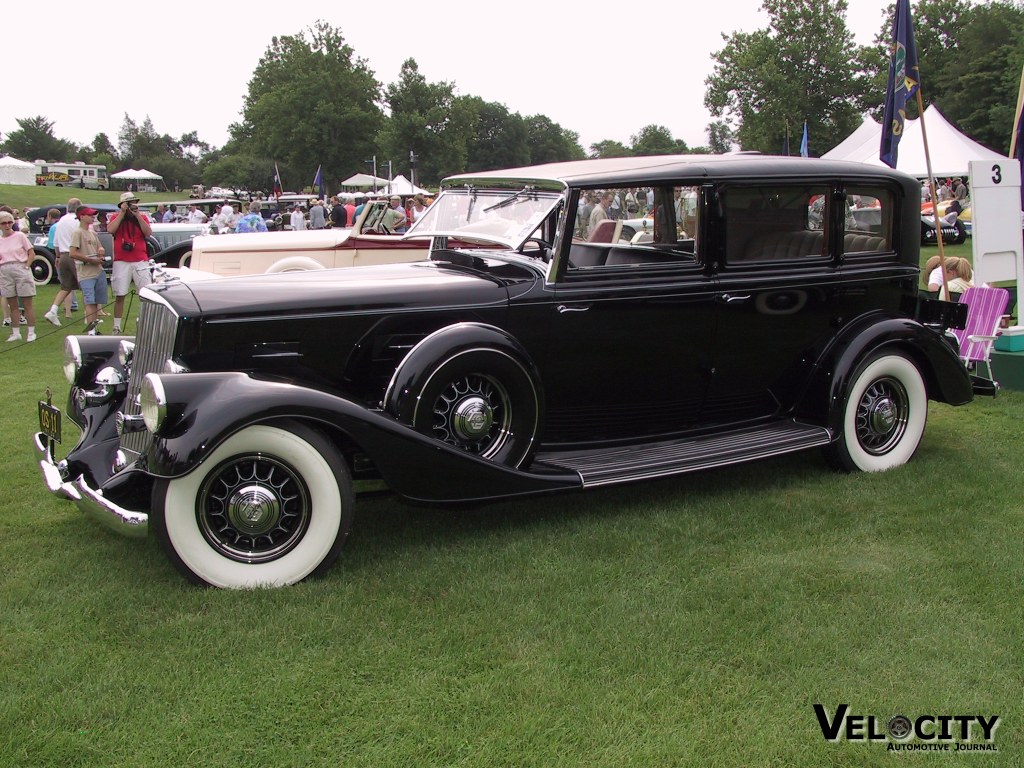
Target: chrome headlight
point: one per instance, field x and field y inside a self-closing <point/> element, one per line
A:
<point x="125" y="351"/>
<point x="72" y="358"/>
<point x="108" y="381"/>
<point x="153" y="401"/>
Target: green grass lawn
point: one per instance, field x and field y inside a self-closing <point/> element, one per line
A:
<point x="689" y="621"/>
<point x="18" y="196"/>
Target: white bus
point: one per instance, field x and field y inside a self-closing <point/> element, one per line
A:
<point x="77" y="174"/>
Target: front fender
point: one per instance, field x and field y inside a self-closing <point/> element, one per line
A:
<point x="944" y="374"/>
<point x="204" y="409"/>
<point x="421" y="361"/>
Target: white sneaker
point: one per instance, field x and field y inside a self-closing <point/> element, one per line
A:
<point x="52" y="317"/>
<point x="31" y="335"/>
<point x="15" y="335"/>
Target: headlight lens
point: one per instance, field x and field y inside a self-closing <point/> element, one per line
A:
<point x="72" y="359"/>
<point x="153" y="401"/>
<point x="125" y="350"/>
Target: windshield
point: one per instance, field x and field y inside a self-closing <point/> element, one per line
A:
<point x="508" y="217"/>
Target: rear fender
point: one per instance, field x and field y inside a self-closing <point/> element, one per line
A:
<point x="944" y="374"/>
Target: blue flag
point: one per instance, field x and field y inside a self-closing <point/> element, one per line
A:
<point x="803" y="142"/>
<point x="318" y="182"/>
<point x="904" y="80"/>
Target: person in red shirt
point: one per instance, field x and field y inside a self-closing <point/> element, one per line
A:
<point x="130" y="228"/>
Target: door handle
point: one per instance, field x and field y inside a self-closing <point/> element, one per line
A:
<point x="733" y="298"/>
<point x="562" y="308"/>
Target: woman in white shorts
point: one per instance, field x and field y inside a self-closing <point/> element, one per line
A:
<point x="15" y="274"/>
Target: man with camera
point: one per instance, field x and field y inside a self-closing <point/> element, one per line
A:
<point x="129" y="228"/>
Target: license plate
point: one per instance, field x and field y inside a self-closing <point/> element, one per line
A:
<point x="49" y="421"/>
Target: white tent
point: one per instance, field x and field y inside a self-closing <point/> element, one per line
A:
<point x="136" y="175"/>
<point x="15" y="171"/>
<point x="950" y="150"/>
<point x="363" y="181"/>
<point x="402" y="186"/>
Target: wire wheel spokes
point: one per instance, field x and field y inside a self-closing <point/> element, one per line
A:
<point x="882" y="415"/>
<point x="253" y="508"/>
<point x="474" y="413"/>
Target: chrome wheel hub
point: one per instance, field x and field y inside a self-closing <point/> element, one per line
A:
<point x="472" y="418"/>
<point x="882" y="415"/>
<point x="253" y="509"/>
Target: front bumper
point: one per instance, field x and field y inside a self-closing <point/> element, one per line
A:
<point x="124" y="521"/>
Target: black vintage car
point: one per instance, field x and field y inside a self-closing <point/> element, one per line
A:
<point x="555" y="355"/>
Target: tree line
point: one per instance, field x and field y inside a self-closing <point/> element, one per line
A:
<point x="313" y="101"/>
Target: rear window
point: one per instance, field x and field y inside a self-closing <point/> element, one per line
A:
<point x="788" y="222"/>
<point x="775" y="223"/>
<point x="869" y="220"/>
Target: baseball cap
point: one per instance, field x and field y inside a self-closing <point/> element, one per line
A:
<point x="85" y="211"/>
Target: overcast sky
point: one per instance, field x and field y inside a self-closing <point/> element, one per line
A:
<point x="603" y="70"/>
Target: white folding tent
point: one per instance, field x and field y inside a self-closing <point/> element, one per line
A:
<point x="132" y="174"/>
<point x="364" y="181"/>
<point x="15" y="171"/>
<point x="402" y="186"/>
<point x="951" y="151"/>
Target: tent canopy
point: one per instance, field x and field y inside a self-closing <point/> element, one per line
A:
<point x="15" y="171"/>
<point x="140" y="175"/>
<point x="402" y="186"/>
<point x="361" y="180"/>
<point x="950" y="150"/>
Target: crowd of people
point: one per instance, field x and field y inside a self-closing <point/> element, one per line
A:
<point x="75" y="243"/>
<point x="338" y="211"/>
<point x="946" y="189"/>
<point x="633" y="203"/>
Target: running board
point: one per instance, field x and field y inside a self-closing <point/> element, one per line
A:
<point x="673" y="457"/>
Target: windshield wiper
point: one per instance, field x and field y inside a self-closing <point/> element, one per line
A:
<point x="511" y="200"/>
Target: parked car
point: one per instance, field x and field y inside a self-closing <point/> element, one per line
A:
<point x="953" y="230"/>
<point x="367" y="242"/>
<point x="244" y="417"/>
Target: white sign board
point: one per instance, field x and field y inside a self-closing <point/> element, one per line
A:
<point x="996" y="222"/>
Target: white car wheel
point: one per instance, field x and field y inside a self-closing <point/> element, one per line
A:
<point x="269" y="507"/>
<point x="884" y="416"/>
<point x="294" y="264"/>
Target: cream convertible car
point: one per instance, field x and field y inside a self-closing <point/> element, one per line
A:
<point x="257" y="253"/>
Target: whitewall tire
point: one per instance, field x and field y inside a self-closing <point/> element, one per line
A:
<point x="884" y="416"/>
<point x="270" y="506"/>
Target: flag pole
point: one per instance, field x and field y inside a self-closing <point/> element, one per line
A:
<point x="1016" y="115"/>
<point x="935" y="199"/>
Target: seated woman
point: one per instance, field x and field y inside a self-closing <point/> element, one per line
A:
<point x="959" y="276"/>
<point x="931" y="275"/>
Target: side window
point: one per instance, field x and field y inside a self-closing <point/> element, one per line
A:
<point x="775" y="223"/>
<point x="869" y="220"/>
<point x="635" y="226"/>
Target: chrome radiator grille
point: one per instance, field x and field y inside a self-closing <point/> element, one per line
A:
<point x="154" y="342"/>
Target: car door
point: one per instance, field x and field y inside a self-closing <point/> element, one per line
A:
<point x="630" y="337"/>
<point x="780" y="294"/>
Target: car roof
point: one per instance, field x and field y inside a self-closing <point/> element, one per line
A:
<point x="623" y="170"/>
